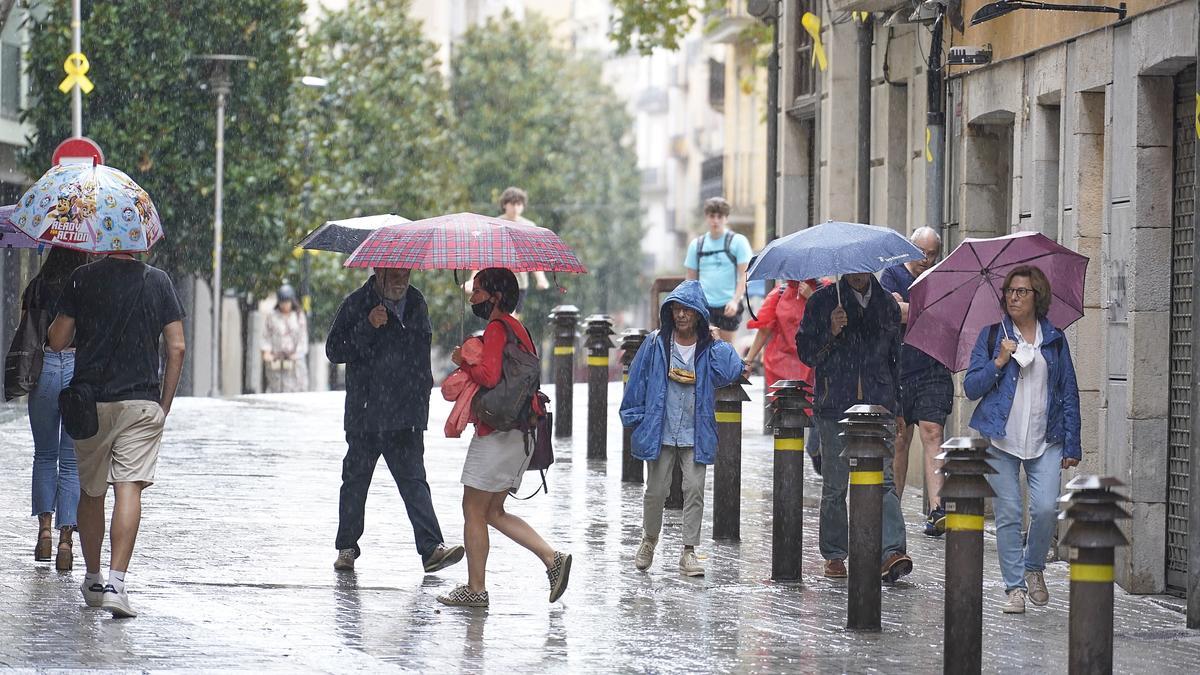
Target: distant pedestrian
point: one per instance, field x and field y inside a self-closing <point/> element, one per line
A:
<point x="718" y="259"/>
<point x="850" y="336"/>
<point x="512" y="205"/>
<point x="285" y="345"/>
<point x="926" y="389"/>
<point x="382" y="333"/>
<point x="778" y="323"/>
<point x="115" y="311"/>
<point x="1021" y="368"/>
<point x="496" y="460"/>
<point x="32" y="369"/>
<point x="670" y="401"/>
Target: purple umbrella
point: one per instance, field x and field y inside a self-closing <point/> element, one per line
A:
<point x="10" y="236"/>
<point x="957" y="298"/>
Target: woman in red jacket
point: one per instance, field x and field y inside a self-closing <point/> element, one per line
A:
<point x="496" y="460"/>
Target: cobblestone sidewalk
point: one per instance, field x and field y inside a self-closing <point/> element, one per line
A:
<point x="233" y="570"/>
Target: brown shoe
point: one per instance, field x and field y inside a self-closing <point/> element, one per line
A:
<point x="65" y="559"/>
<point x="896" y="566"/>
<point x="45" y="544"/>
<point x="835" y="569"/>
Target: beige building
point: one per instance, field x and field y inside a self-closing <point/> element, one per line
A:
<point x="1082" y="128"/>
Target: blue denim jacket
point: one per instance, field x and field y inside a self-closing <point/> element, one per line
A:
<point x="997" y="386"/>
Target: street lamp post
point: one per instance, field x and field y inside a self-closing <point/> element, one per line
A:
<point x="221" y="84"/>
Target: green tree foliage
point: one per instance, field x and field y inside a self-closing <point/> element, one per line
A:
<point x="155" y="122"/>
<point x="535" y="116"/>
<point x="646" y="25"/>
<point x="378" y="139"/>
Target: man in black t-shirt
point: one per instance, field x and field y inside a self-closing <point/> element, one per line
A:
<point x="115" y="310"/>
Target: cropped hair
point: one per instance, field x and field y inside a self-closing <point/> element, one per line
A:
<point x="1040" y="284"/>
<point x="513" y="195"/>
<point x="503" y="281"/>
<point x="717" y="205"/>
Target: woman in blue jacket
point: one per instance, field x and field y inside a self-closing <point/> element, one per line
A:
<point x="1021" y="369"/>
<point x="670" y="403"/>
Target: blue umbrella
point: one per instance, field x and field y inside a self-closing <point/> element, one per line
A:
<point x="833" y="248"/>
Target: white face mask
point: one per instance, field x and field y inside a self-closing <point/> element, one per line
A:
<point x="1025" y="354"/>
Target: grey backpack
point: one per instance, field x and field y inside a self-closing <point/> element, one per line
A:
<point x="509" y="404"/>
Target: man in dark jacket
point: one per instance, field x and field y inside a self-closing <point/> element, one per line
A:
<point x="850" y="336"/>
<point x="382" y="333"/>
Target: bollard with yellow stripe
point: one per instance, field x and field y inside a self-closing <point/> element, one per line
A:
<point x="867" y="431"/>
<point x="727" y="465"/>
<point x="791" y="414"/>
<point x="598" y="343"/>
<point x="1092" y="509"/>
<point x="965" y="467"/>
<point x="632" y="470"/>
<point x="564" y="318"/>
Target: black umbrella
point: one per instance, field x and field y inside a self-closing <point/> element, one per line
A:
<point x="344" y="236"/>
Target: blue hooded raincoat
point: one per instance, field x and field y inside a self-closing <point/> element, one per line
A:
<point x="644" y="405"/>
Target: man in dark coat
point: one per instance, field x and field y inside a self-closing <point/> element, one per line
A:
<point x="383" y="335"/>
<point x="850" y="336"/>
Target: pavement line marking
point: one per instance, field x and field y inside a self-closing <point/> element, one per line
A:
<point x="597" y="360"/>
<point x="963" y="521"/>
<point x="866" y="478"/>
<point x="730" y="417"/>
<point x="789" y="444"/>
<point x="563" y="351"/>
<point x="1089" y="572"/>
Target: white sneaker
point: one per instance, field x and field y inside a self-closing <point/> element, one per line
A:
<point x="92" y="595"/>
<point x="1016" y="602"/>
<point x="645" y="554"/>
<point x="117" y="603"/>
<point x="689" y="565"/>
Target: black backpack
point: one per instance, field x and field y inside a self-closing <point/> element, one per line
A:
<point x="509" y="404"/>
<point x="700" y="252"/>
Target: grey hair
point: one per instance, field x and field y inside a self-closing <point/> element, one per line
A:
<point x="925" y="231"/>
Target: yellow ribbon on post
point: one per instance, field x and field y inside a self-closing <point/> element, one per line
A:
<point x="812" y="24"/>
<point x="1198" y="114"/>
<point x="860" y="17"/>
<point x="928" y="148"/>
<point x="77" y="67"/>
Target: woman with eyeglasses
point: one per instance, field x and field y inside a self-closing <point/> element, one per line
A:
<point x="1021" y="369"/>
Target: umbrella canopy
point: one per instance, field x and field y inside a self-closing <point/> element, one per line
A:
<point x="92" y="208"/>
<point x="833" y="248"/>
<point x="343" y="236"/>
<point x="466" y="241"/>
<point x="954" y="300"/>
<point x="10" y="236"/>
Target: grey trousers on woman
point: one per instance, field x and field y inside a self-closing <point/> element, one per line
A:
<point x="658" y="485"/>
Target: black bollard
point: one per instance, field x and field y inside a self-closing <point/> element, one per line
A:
<point x="599" y="327"/>
<point x="727" y="467"/>
<point x="791" y="413"/>
<point x="867" y="429"/>
<point x="1092" y="507"/>
<point x="564" y="317"/>
<point x="964" y="466"/>
<point x="632" y="470"/>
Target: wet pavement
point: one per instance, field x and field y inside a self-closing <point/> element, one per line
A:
<point x="233" y="570"/>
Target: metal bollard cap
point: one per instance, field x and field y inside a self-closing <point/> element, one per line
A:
<point x="1083" y="534"/>
<point x="869" y="411"/>
<point x="966" y="443"/>
<point x="564" y="313"/>
<point x="735" y="391"/>
<point x="1092" y="508"/>
<point x="965" y="486"/>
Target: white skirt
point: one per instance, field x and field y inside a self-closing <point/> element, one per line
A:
<point x="496" y="462"/>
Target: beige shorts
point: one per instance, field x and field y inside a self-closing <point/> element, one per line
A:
<point x="125" y="450"/>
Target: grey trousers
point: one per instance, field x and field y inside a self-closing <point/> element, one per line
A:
<point x="658" y="485"/>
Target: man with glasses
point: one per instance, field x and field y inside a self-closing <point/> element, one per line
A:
<point x="926" y="390"/>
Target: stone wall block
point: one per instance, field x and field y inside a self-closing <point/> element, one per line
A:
<point x="1148" y="376"/>
<point x="1149" y="275"/>
<point x="1147" y="480"/>
<point x="1087" y="345"/>
<point x="1154" y="178"/>
<point x="1089" y="431"/>
<point x="1155" y="100"/>
<point x="1091" y="61"/>
<point x="1164" y="41"/>
<point x="1141" y="566"/>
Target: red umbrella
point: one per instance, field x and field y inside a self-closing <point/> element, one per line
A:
<point x="466" y="241"/>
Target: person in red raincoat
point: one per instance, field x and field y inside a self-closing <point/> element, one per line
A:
<point x="777" y="323"/>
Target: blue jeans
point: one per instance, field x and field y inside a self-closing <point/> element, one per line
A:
<point x="404" y="452"/>
<point x="835" y="481"/>
<point x="1043" y="476"/>
<point x="55" y="477"/>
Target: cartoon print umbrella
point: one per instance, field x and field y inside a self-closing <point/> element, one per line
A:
<point x="466" y="241"/>
<point x="91" y="208"/>
<point x="957" y="298"/>
<point x="10" y="236"/>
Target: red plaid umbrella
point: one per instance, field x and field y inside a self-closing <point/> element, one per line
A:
<point x="466" y="241"/>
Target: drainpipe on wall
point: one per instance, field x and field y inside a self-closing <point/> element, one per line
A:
<point x="935" y="131"/>
<point x="773" y="131"/>
<point x="866" y="32"/>
<point x="1193" y="574"/>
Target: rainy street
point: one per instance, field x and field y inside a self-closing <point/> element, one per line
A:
<point x="233" y="570"/>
